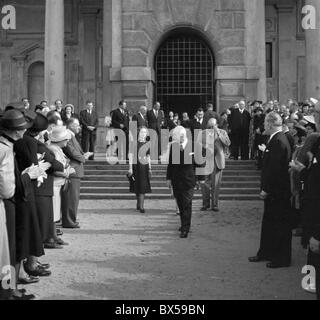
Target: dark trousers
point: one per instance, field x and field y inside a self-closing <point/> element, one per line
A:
<point x="11" y="228"/>
<point x="240" y="143"/>
<point x="70" y="202"/>
<point x="314" y="260"/>
<point x="276" y="232"/>
<point x="88" y="141"/>
<point x="184" y="201"/>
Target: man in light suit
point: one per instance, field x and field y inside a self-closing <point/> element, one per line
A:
<point x="213" y="141"/>
<point x="141" y="117"/>
<point x="70" y="196"/>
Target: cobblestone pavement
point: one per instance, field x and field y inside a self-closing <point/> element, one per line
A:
<point x="121" y="254"/>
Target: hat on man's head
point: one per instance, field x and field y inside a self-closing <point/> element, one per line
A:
<point x="15" y="106"/>
<point x="14" y="120"/>
<point x="59" y="133"/>
<point x="40" y="123"/>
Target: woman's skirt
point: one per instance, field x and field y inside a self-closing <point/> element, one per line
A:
<point x="45" y="215"/>
<point x="28" y="236"/>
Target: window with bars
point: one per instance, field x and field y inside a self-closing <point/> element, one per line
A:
<point x="184" y="66"/>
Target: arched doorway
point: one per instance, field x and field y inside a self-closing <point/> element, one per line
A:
<point x="184" y="66"/>
<point x="36" y="83"/>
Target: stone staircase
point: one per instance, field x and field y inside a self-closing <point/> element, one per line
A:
<point x="241" y="181"/>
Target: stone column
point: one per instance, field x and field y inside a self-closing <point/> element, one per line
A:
<point x="107" y="56"/>
<point x="256" y="45"/>
<point x="19" y="78"/>
<point x="115" y="72"/>
<point x="89" y="56"/>
<point x="313" y="54"/>
<point x="54" y="50"/>
<point x="287" y="50"/>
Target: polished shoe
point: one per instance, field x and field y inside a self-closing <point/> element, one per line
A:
<point x="256" y="259"/>
<point x="23" y="297"/>
<point x="204" y="208"/>
<point x="59" y="232"/>
<point x="142" y="211"/>
<point x="38" y="272"/>
<point x="273" y="265"/>
<point x="52" y="245"/>
<point x="44" y="266"/>
<point x="215" y="209"/>
<point x="60" y="242"/>
<point x="138" y="208"/>
<point x="28" y="280"/>
<point x="72" y="226"/>
<point x="184" y="235"/>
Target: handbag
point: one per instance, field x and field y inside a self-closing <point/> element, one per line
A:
<point x="131" y="178"/>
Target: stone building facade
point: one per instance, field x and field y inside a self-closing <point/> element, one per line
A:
<point x="184" y="53"/>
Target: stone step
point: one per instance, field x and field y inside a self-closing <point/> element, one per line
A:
<point x="163" y="172"/>
<point x="108" y="178"/>
<point x="162" y="190"/>
<point x="162" y="183"/>
<point x="129" y="196"/>
<point x="229" y="162"/>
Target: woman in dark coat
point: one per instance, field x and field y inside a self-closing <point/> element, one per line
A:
<point x="140" y="169"/>
<point x="44" y="191"/>
<point x="29" y="238"/>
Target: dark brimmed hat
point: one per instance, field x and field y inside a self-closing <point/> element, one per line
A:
<point x="14" y="120"/>
<point x="15" y="106"/>
<point x="40" y="123"/>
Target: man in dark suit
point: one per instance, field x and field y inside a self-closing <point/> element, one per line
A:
<point x="141" y="117"/>
<point x="239" y="124"/>
<point x="155" y="118"/>
<point x="276" y="233"/>
<point x="70" y="197"/>
<point x="181" y="176"/>
<point x="120" y="121"/>
<point x="89" y="122"/>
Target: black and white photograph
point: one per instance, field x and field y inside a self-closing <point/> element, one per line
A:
<point x="163" y="151"/>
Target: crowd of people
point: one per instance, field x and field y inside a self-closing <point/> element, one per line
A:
<point x="42" y="153"/>
<point x="283" y="139"/>
<point x="41" y="164"/>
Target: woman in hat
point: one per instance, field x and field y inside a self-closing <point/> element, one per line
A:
<point x="31" y="239"/>
<point x="44" y="188"/>
<point x="59" y="138"/>
<point x="22" y="223"/>
<point x="68" y="113"/>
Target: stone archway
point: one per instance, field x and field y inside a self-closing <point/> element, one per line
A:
<point x="184" y="72"/>
<point x="36" y="82"/>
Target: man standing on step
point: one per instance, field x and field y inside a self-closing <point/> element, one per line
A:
<point x="89" y="122"/>
<point x="212" y="182"/>
<point x="120" y="121"/>
<point x="239" y="124"/>
<point x="276" y="233"/>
